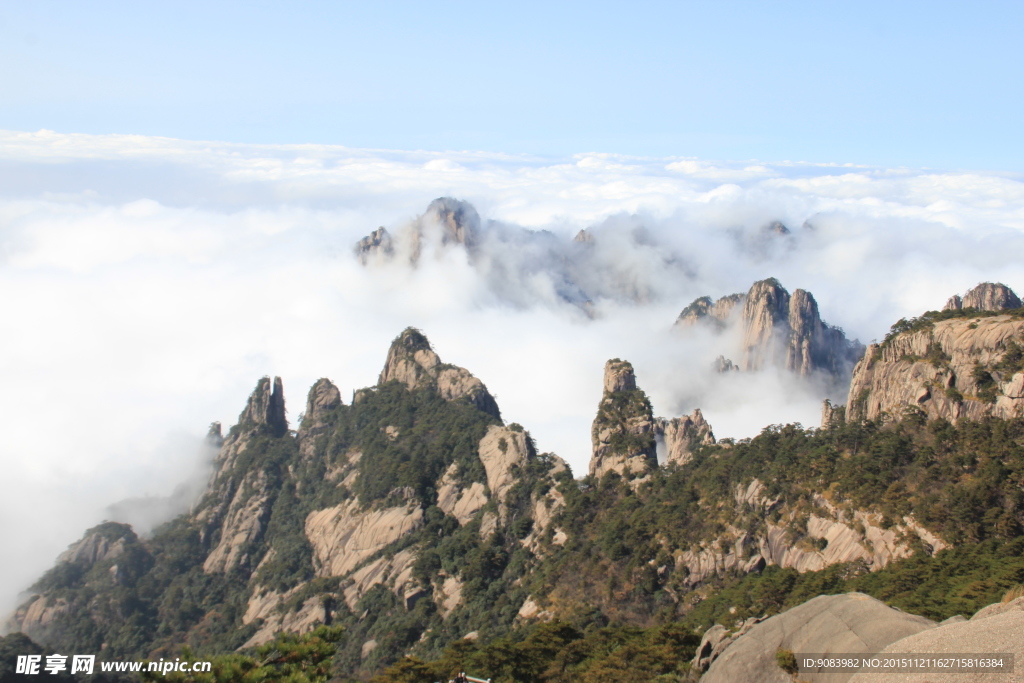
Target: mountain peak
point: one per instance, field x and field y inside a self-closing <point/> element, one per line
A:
<point x="412" y="361"/>
<point x="459" y="220"/>
<point x="623" y="430"/>
<point x="266" y="406"/>
<point x="987" y="296"/>
<point x="619" y="376"/>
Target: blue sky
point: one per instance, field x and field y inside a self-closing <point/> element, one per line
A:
<point x="920" y="84"/>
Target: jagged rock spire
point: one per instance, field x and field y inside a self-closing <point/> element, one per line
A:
<point x="766" y="306"/>
<point x="778" y="328"/>
<point x="266" y="406"/>
<point x="323" y="397"/>
<point x="987" y="296"/>
<point x="623" y="431"/>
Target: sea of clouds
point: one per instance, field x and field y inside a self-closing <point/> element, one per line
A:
<point x="148" y="283"/>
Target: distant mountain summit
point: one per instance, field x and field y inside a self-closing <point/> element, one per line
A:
<point x="446" y="221"/>
<point x="777" y="328"/>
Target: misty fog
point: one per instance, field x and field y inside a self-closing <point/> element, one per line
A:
<point x="149" y="283"/>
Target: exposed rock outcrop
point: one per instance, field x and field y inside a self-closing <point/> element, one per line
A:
<point x="777" y="329"/>
<point x="626" y="434"/>
<point x="411" y="361"/>
<point x="269" y="607"/>
<point x="832" y="415"/>
<point x="851" y="623"/>
<point x="323" y="398"/>
<point x="105" y="542"/>
<point x="345" y="535"/>
<point x="623" y="432"/>
<point x="460" y="502"/>
<point x="716" y="639"/>
<point x="237" y="504"/>
<point x="682" y="436"/>
<point x="243" y="525"/>
<point x="828" y="536"/>
<point x="954" y="369"/>
<point x="503" y="451"/>
<point x="998" y="628"/>
<point x="266" y="406"/>
<point x="988" y="296"/>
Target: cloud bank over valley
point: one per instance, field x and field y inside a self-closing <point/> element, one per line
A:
<point x="148" y="283"/>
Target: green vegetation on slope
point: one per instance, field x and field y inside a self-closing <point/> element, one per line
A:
<point x="558" y="652"/>
<point x="964" y="483"/>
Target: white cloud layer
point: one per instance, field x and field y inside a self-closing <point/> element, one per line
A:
<point x="147" y="284"/>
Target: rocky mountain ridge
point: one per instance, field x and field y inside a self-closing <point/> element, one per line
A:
<point x="776" y="328"/>
<point x="415" y="515"/>
<point x="964" y="362"/>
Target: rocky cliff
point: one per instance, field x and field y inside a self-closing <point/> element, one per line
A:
<point x="776" y="328"/>
<point x="415" y="515"/>
<point x="396" y="495"/>
<point x="959" y="363"/>
<point x="626" y="434"/>
<point x="987" y="296"/>
<point x="682" y="436"/>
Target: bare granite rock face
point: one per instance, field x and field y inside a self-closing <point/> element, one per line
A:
<point x="266" y="406"/>
<point x="345" y="535"/>
<point x="787" y="330"/>
<point x="832" y="414"/>
<point x="95" y="547"/>
<point x="998" y="628"/>
<point x="830" y="536"/>
<point x="243" y="525"/>
<point x="960" y="368"/>
<point x="412" y="362"/>
<point x="503" y="450"/>
<point x="323" y="398"/>
<point x="236" y="507"/>
<point x="987" y="296"/>
<point x="41" y="615"/>
<point x="683" y="435"/>
<point x="777" y="329"/>
<point x="850" y="623"/>
<point x="623" y="433"/>
<point x="269" y="605"/>
<point x="38" y="618"/>
<point x="460" y="502"/>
